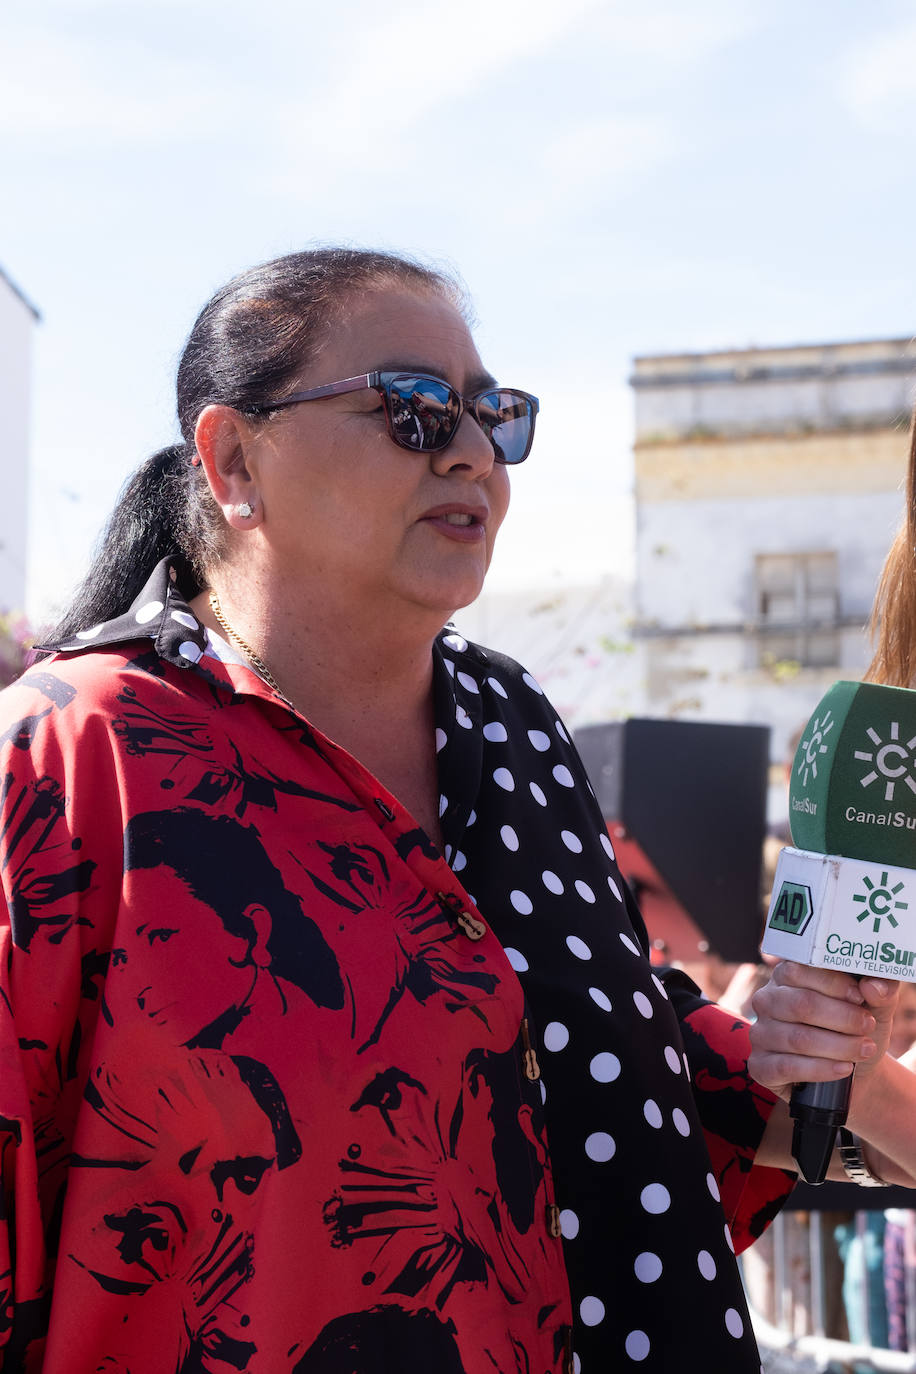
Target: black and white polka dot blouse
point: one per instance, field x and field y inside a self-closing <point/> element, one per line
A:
<point x="649" y="1254"/>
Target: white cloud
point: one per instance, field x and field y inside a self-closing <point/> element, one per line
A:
<point x="117" y="94"/>
<point x="584" y="164"/>
<point x="607" y="148"/>
<point x="674" y="35"/>
<point x="876" y="77"/>
<point x="401" y="70"/>
<point x="410" y="61"/>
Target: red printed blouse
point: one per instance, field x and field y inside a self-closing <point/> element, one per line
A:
<point x="278" y="1078"/>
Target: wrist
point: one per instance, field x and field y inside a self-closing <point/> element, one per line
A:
<point x="871" y="1093"/>
<point x="855" y="1163"/>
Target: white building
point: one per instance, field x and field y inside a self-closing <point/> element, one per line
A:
<point x="768" y="487"/>
<point x="17" y="320"/>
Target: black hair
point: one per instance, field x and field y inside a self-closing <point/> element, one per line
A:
<point x="247" y="345"/>
<point x="224" y="864"/>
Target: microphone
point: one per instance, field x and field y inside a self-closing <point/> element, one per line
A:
<point x="844" y="895"/>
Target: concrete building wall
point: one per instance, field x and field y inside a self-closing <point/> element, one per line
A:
<point x="771" y="390"/>
<point x="708" y="678"/>
<point x="17" y="320"/>
<point x="768" y="488"/>
<point x="696" y="559"/>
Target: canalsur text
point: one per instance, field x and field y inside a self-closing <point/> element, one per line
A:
<point x="879" y="956"/>
<point x="898" y="820"/>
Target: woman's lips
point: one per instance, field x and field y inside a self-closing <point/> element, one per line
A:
<point x="465" y="524"/>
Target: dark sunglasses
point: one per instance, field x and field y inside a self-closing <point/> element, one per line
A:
<point x="422" y="413"/>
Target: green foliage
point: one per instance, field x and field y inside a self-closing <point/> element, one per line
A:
<point x="780" y="669"/>
<point x="16" y="639"/>
<point x="615" y="646"/>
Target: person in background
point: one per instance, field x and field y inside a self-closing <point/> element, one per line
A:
<point x="873" y="1244"/>
<point x="900" y="1232"/>
<point x="807" y="1018"/>
<point x="894" y="663"/>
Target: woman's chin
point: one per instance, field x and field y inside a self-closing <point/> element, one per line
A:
<point x="446" y="594"/>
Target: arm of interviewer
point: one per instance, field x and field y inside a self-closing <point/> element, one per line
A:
<point x="817" y="1024"/>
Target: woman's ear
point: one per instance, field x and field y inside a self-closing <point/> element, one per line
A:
<point x="222" y="438"/>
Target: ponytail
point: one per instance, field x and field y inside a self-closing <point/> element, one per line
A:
<point x="153" y="518"/>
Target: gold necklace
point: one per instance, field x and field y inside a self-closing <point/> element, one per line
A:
<point x="254" y="659"/>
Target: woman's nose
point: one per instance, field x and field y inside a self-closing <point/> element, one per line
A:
<point x="470" y="449"/>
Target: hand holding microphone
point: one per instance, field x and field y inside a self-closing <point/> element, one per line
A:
<point x="844" y="900"/>
<point x="814" y="1025"/>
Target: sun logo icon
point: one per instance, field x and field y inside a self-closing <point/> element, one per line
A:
<point x="891" y="761"/>
<point x="879" y="902"/>
<point x="814" y="746"/>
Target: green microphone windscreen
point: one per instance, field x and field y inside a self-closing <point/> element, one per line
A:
<point x="853" y="787"/>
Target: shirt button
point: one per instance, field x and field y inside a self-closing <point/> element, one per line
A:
<point x="529" y="1058"/>
<point x="473" y="928"/>
<point x="553" y="1221"/>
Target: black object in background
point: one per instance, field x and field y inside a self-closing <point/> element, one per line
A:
<point x="693" y="798"/>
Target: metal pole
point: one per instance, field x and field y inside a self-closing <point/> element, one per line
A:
<point x="816" y="1261"/>
<point x="779" y="1270"/>
<point x="862" y="1237"/>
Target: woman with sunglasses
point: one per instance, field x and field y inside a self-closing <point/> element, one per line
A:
<point x="506" y="1144"/>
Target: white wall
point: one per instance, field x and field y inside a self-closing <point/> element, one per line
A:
<point x="755" y="390"/>
<point x="706" y="677"/>
<point x="16" y="324"/>
<point x="696" y="558"/>
<point x="753" y="406"/>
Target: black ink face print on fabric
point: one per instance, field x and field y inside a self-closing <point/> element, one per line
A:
<point x="46" y="869"/>
<point x="210" y="873"/>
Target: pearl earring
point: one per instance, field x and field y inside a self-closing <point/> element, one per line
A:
<point x="244" y="510"/>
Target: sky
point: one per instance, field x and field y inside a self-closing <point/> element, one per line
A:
<point x="609" y="178"/>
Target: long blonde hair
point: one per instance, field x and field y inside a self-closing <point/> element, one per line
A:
<point x="893" y="617"/>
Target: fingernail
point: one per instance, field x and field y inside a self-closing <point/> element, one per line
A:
<point x="870" y="1024"/>
<point x="881" y="989"/>
<point x="842" y="1070"/>
<point x="854" y="995"/>
<point x="868" y="1048"/>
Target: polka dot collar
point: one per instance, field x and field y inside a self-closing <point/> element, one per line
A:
<point x="160" y="613"/>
